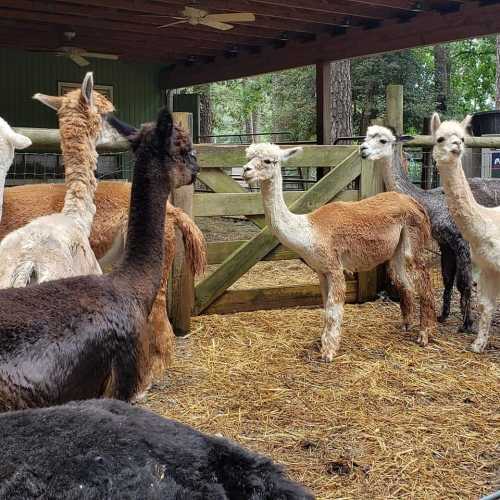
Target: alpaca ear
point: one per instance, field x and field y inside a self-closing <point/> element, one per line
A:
<point x="405" y="138"/>
<point x="435" y="123"/>
<point x="19" y="141"/>
<point x="87" y="88"/>
<point x="467" y="122"/>
<point x="164" y="126"/>
<point x="123" y="128"/>
<point x="288" y="153"/>
<point x="51" y="101"/>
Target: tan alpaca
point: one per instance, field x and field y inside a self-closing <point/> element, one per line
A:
<point x="479" y="225"/>
<point x="57" y="246"/>
<point x="349" y="237"/>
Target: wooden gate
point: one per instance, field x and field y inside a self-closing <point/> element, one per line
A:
<point x="237" y="257"/>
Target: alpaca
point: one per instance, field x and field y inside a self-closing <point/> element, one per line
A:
<point x="81" y="337"/>
<point x="9" y="141"/>
<point x="354" y="236"/>
<point x="380" y="144"/>
<point x="112" y="199"/>
<point x="108" y="449"/>
<point x="57" y="246"/>
<point x="479" y="225"/>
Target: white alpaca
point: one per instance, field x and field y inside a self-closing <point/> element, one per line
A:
<point x="9" y="142"/>
<point x="354" y="237"/>
<point x="479" y="225"/>
<point x="57" y="246"/>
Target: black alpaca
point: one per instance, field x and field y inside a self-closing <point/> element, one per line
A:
<point x="456" y="265"/>
<point x="79" y="338"/>
<point x="107" y="449"/>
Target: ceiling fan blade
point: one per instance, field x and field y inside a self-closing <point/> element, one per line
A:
<point x="172" y="24"/>
<point x="77" y="59"/>
<point x="99" y="55"/>
<point x="193" y="12"/>
<point x="216" y="25"/>
<point x="235" y="17"/>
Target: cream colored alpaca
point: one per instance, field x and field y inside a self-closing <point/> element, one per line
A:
<point x="351" y="237"/>
<point x="479" y="225"/>
<point x="57" y="246"/>
<point x="9" y="142"/>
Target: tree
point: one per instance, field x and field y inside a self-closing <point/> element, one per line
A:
<point x="341" y="90"/>
<point x="497" y="97"/>
<point x="206" y="113"/>
<point x="442" y="76"/>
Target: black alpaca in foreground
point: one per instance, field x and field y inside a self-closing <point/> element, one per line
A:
<point x="107" y="449"/>
<point x="79" y="338"/>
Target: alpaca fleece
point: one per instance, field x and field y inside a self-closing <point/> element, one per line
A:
<point x="80" y="338"/>
<point x="108" y="449"/>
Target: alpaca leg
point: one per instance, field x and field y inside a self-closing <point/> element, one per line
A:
<point x="401" y="280"/>
<point x="448" y="271"/>
<point x="464" y="285"/>
<point x="334" y="311"/>
<point x="487" y="295"/>
<point x="423" y="285"/>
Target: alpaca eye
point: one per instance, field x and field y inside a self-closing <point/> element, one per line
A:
<point x="441" y="139"/>
<point x="463" y="139"/>
<point x="267" y="162"/>
<point x="383" y="141"/>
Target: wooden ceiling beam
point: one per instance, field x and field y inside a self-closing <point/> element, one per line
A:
<point x="285" y="15"/>
<point x="344" y="8"/>
<point x="407" y="5"/>
<point x="474" y="19"/>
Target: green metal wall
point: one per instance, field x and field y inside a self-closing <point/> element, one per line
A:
<point x="137" y="95"/>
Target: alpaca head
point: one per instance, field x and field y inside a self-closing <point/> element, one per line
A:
<point x="165" y="141"/>
<point x="79" y="111"/>
<point x="449" y="139"/>
<point x="379" y="143"/>
<point x="265" y="161"/>
<point x="9" y="141"/>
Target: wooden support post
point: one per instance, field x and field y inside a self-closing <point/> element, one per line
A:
<point x="323" y="109"/>
<point x="371" y="183"/>
<point x="394" y="96"/>
<point x="181" y="283"/>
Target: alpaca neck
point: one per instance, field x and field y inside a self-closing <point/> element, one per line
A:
<point x="461" y="202"/>
<point x="395" y="178"/>
<point x="286" y="225"/>
<point x="143" y="261"/>
<point x="6" y="159"/>
<point x="80" y="163"/>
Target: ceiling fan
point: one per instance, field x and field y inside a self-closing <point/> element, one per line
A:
<point x="196" y="16"/>
<point x="77" y="54"/>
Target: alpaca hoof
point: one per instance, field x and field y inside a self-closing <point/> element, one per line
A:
<point x="442" y="318"/>
<point x="466" y="329"/>
<point x="327" y="356"/>
<point x="423" y="339"/>
<point x="405" y="327"/>
<point x="478" y="346"/>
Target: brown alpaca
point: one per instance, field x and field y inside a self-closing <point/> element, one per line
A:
<point x="352" y="237"/>
<point x="80" y="337"/>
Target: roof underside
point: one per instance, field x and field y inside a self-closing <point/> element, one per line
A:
<point x="285" y="34"/>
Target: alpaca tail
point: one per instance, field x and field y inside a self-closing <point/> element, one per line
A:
<point x="194" y="241"/>
<point x="24" y="275"/>
<point x="417" y="218"/>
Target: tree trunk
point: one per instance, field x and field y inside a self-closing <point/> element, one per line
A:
<point x="497" y="100"/>
<point x="442" y="76"/>
<point x="341" y="99"/>
<point x="206" y="113"/>
<point x="367" y="110"/>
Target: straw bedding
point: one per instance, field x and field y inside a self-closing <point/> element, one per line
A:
<point x="387" y="419"/>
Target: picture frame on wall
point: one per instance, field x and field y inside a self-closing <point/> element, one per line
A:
<point x="64" y="87"/>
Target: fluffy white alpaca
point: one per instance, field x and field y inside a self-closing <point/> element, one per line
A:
<point x="57" y="246"/>
<point x="9" y="142"/>
<point x="354" y="236"/>
<point x="479" y="225"/>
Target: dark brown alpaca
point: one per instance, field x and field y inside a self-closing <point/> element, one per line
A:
<point x="79" y="337"/>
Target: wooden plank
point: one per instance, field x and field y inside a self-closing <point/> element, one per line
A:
<point x="181" y="282"/>
<point x="213" y="204"/>
<point x="227" y="156"/>
<point x="256" y="249"/>
<point x="371" y="183"/>
<point x="279" y="297"/>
